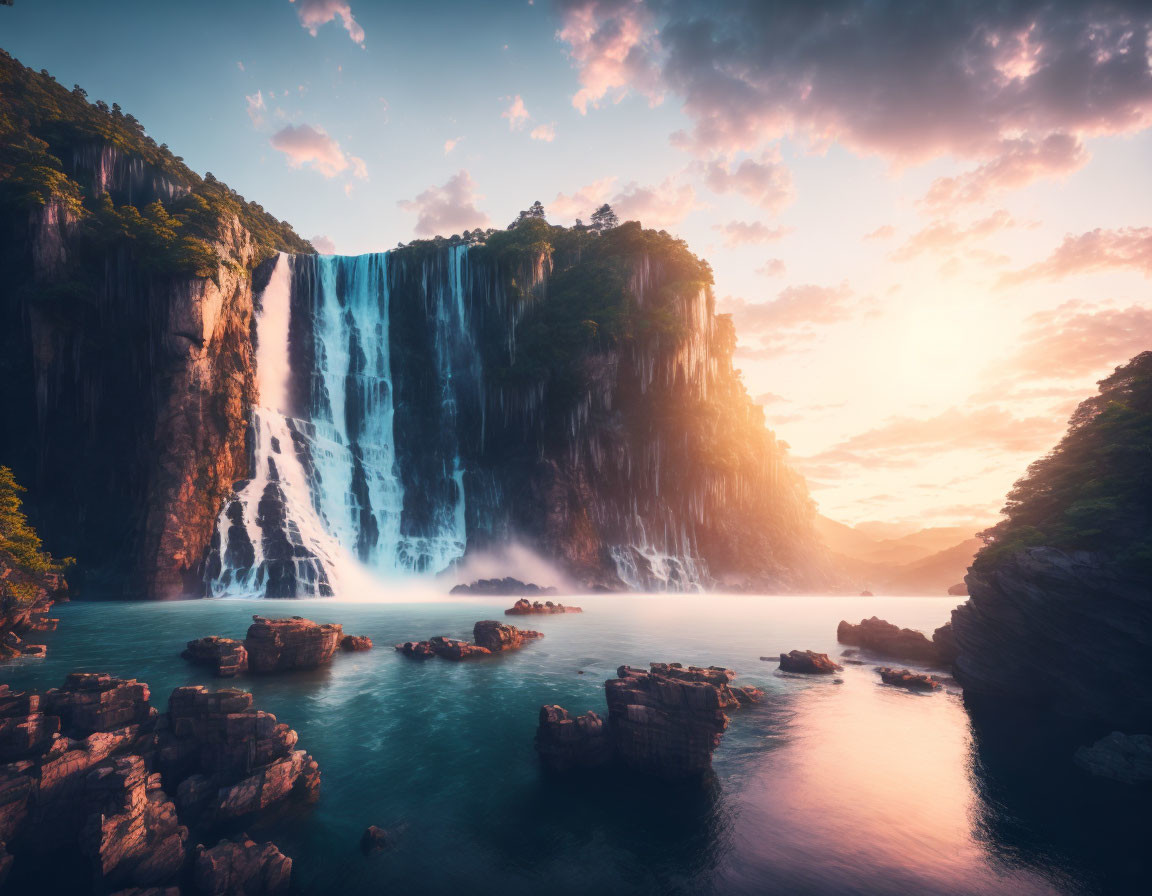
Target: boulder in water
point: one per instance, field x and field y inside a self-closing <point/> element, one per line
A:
<point x="808" y="662"/>
<point x="374" y="840"/>
<point x="226" y="656"/>
<point x="905" y="678"/>
<point x="355" y="643"/>
<point x="885" y="639"/>
<point x="524" y="607"/>
<point x="280" y="645"/>
<point x="504" y="587"/>
<point x="498" y="637"/>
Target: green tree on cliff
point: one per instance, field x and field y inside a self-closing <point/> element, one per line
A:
<point x="21" y="553"/>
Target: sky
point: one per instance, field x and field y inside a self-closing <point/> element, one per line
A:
<point x="931" y="221"/>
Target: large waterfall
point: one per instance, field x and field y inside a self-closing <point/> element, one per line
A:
<point x="327" y="492"/>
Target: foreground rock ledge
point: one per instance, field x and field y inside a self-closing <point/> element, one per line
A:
<point x="665" y="722"/>
<point x="93" y="767"/>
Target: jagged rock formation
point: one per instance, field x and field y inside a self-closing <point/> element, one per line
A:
<point x="227" y="657"/>
<point x="664" y="722"/>
<point x="1060" y="613"/>
<point x="503" y="587"/>
<point x="240" y="866"/>
<point x="905" y="678"/>
<point x="489" y="636"/>
<point x="885" y="639"/>
<point x="75" y="774"/>
<point x="807" y="661"/>
<point x="524" y="607"/>
<point x="279" y="645"/>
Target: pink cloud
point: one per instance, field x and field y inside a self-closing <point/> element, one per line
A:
<point x="323" y="245"/>
<point x="662" y="206"/>
<point x="581" y="204"/>
<point x="544" y="132"/>
<point x="314" y="13"/>
<point x="883" y="232"/>
<point x="304" y="144"/>
<point x="744" y="233"/>
<point x="946" y="236"/>
<point x="766" y="183"/>
<point x="447" y="209"/>
<point x="256" y="108"/>
<point x="790" y="321"/>
<point x="611" y="42"/>
<point x="1080" y="340"/>
<point x="1097" y="250"/>
<point x="773" y="267"/>
<point x="516" y="113"/>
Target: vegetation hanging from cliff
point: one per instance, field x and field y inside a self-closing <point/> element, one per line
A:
<point x="22" y="556"/>
<point x="1094" y="490"/>
<point x="43" y="125"/>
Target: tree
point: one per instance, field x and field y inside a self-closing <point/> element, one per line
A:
<point x="604" y="218"/>
<point x="536" y="210"/>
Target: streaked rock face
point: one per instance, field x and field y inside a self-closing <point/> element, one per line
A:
<point x="1061" y="631"/>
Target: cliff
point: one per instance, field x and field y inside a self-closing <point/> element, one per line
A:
<point x="125" y="335"/>
<point x="1060" y="612"/>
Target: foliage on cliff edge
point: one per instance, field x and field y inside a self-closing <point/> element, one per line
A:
<point x="20" y="549"/>
<point x="1094" y="490"/>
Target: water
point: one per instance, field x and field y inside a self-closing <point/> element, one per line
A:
<point x="824" y="788"/>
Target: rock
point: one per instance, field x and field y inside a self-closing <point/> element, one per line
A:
<point x="525" y="607"/>
<point x="958" y="590"/>
<point x="231" y="759"/>
<point x="241" y="866"/>
<point x="885" y="639"/>
<point x="96" y="702"/>
<point x="664" y="722"/>
<point x="1068" y="633"/>
<point x="867" y="594"/>
<point x="374" y="840"/>
<point x="420" y="650"/>
<point x="502" y="587"/>
<point x="355" y="643"/>
<point x="451" y="649"/>
<point x="226" y="656"/>
<point x="131" y="834"/>
<point x="565" y="743"/>
<point x="280" y="645"/>
<point x="905" y="678"/>
<point x="944" y="639"/>
<point x="746" y="695"/>
<point x="1122" y="757"/>
<point x="497" y="637"/>
<point x="28" y="613"/>
<point x="808" y="662"/>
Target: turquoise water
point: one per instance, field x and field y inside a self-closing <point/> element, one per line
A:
<point x="824" y="788"/>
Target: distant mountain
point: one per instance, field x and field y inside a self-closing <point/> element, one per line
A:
<point x="927" y="561"/>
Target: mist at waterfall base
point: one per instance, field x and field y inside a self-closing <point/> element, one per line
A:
<point x="824" y="788"/>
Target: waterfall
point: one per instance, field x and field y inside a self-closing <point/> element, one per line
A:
<point x="328" y="492"/>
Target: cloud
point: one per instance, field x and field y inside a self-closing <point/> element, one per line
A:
<point x="766" y="183"/>
<point x="1017" y="164"/>
<point x="308" y="145"/>
<point x="791" y="320"/>
<point x="323" y="245"/>
<point x="447" y="209"/>
<point x="450" y="144"/>
<point x="583" y="202"/>
<point x="1078" y="340"/>
<point x="904" y="81"/>
<point x="516" y="113"/>
<point x="661" y="207"/>
<point x="988" y="429"/>
<point x="766" y="398"/>
<point x="773" y="267"/>
<point x="256" y="108"/>
<point x="314" y="13"/>
<point x="544" y="132"/>
<point x="611" y="44"/>
<point x="946" y="236"/>
<point x="744" y="233"/>
<point x="883" y="232"/>
<point x="1097" y="250"/>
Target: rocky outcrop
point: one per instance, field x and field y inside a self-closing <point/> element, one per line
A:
<point x="885" y="639"/>
<point x="280" y="645"/>
<point x="241" y="866"/>
<point x="525" y="607"/>
<point x="1122" y="757"/>
<point x="355" y="643"/>
<point x="374" y="840"/>
<point x="808" y="662"/>
<point x="905" y="678"/>
<point x="91" y="766"/>
<point x="507" y="586"/>
<point x="231" y="759"/>
<point x="26" y="600"/>
<point x="420" y="650"/>
<point x="958" y="590"/>
<point x="227" y="657"/>
<point x="664" y="722"/>
<point x="498" y="637"/>
<point x="1067" y="632"/>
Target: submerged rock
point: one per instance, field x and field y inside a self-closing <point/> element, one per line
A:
<point x="885" y="639"/>
<point x="503" y="587"/>
<point x="241" y="866"/>
<point x="374" y="840"/>
<point x="1122" y="757"/>
<point x="905" y="678"/>
<point x="227" y="657"/>
<point x="524" y="607"/>
<point x="490" y="637"/>
<point x="808" y="662"/>
<point x="664" y="722"/>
